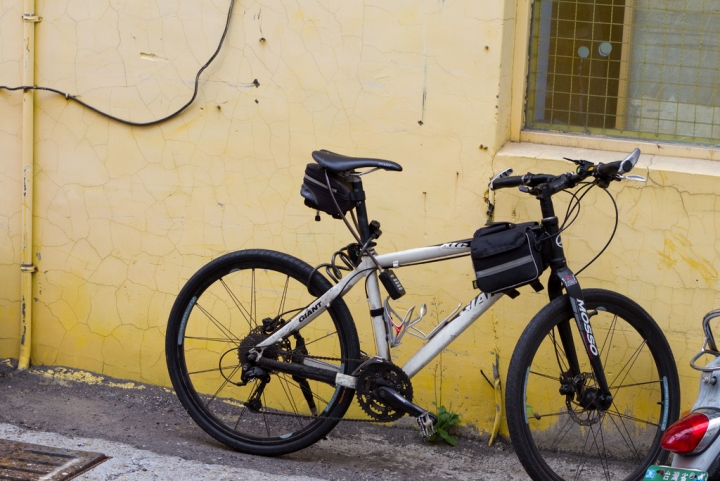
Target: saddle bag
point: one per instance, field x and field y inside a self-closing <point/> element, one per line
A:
<point x="507" y="255"/>
<point x="317" y="195"/>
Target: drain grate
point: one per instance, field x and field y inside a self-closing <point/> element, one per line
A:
<point x="32" y="462"/>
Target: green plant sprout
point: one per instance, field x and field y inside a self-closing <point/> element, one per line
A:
<point x="446" y="419"/>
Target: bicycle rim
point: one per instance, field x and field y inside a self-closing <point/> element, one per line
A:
<point x="221" y="313"/>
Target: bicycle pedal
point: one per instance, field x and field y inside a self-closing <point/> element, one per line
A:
<point x="426" y="422"/>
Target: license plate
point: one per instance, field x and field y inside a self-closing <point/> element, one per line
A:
<point x="666" y="473"/>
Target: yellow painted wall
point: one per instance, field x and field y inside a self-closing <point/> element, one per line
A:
<point x="124" y="216"/>
<point x="11" y="35"/>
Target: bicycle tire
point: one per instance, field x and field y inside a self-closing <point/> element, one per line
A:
<point x="548" y="433"/>
<point x="215" y="313"/>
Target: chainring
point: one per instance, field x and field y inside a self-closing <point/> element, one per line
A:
<point x="379" y="374"/>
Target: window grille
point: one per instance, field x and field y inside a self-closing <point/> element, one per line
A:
<point x="633" y="68"/>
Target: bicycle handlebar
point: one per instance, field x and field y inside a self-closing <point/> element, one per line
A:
<point x="602" y="172"/>
<point x="557" y="182"/>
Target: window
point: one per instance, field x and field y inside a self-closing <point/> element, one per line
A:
<point x="632" y="68"/>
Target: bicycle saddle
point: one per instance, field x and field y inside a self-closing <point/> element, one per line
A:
<point x="341" y="163"/>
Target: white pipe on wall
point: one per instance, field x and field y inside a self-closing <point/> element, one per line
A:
<point x="27" y="268"/>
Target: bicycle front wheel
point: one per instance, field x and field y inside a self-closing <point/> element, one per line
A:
<point x="562" y="436"/>
<point x="233" y="304"/>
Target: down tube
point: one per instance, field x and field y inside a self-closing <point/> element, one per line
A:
<point x="449" y="333"/>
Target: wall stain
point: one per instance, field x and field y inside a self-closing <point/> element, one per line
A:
<point x="683" y="250"/>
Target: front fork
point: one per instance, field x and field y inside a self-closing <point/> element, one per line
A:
<point x="603" y="399"/>
<point x="562" y="277"/>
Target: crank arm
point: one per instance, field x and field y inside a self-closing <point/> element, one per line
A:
<point x="394" y="399"/>
<point x="425" y="420"/>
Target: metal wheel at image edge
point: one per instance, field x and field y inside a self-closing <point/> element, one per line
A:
<point x="555" y="437"/>
<point x="220" y="311"/>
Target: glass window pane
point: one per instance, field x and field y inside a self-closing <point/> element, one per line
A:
<point x="637" y="68"/>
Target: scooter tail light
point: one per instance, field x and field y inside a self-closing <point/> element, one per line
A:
<point x="684" y="436"/>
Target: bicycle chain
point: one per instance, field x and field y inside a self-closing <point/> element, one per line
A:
<point x="304" y="416"/>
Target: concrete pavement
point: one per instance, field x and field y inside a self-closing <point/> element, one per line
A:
<point x="151" y="437"/>
<point x="131" y="464"/>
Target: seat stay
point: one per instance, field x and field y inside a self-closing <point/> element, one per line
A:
<point x="318" y="306"/>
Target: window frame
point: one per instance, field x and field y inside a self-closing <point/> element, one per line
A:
<point x="518" y="132"/>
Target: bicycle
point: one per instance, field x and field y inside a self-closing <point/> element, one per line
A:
<point x="255" y="316"/>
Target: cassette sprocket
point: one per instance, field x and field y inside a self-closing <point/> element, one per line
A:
<point x="255" y="337"/>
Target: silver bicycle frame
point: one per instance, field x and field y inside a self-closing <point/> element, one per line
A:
<point x="473" y="310"/>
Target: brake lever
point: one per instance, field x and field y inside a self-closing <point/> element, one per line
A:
<point x="634" y="178"/>
<point x="578" y="162"/>
<point x="501" y="175"/>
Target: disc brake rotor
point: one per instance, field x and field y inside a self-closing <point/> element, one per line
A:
<point x="581" y="410"/>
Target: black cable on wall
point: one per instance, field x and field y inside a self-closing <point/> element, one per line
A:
<point x="153" y="122"/>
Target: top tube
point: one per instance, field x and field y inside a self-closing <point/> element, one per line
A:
<point x="438" y="252"/>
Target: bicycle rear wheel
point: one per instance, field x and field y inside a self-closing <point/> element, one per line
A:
<point x="231" y="305"/>
<point x="555" y="437"/>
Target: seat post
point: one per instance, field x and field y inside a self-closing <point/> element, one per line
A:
<point x="363" y="223"/>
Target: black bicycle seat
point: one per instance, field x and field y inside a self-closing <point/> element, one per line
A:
<point x="342" y="163"/>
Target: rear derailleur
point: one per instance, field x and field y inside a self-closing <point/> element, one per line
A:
<point x="282" y="351"/>
<point x="385" y="393"/>
<point x="245" y="351"/>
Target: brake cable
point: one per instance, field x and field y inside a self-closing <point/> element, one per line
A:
<point x="575" y="206"/>
<point x="612" y="235"/>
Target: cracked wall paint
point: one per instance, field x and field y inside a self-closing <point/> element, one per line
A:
<point x="124" y="216"/>
<point x="11" y="55"/>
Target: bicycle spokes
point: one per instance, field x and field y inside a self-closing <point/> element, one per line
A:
<point x="563" y="416"/>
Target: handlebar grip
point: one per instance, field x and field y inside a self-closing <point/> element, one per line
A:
<point x="611" y="168"/>
<point x="564" y="181"/>
<point x="533" y="180"/>
<point x="505" y="182"/>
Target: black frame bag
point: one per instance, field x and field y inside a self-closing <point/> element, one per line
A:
<point x="317" y="195"/>
<point x="506" y="256"/>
